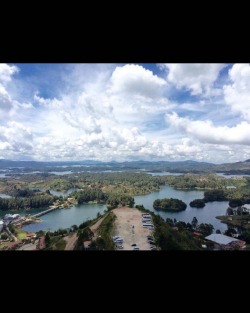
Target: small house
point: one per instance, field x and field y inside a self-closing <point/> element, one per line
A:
<point x="87" y="244"/>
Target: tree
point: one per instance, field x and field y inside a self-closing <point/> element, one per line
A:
<point x="239" y="210"/>
<point x="169" y="204"/>
<point x="74" y="227"/>
<point x="230" y="211"/>
<point x="246" y="236"/>
<point x="235" y="202"/>
<point x="230" y="231"/>
<point x="206" y="229"/>
<point x="4" y="236"/>
<point x="197" y="203"/>
<point x="47" y="238"/>
<point x="169" y="221"/>
<point x="194" y="223"/>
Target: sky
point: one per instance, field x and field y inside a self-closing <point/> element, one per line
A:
<point x="125" y="112"/>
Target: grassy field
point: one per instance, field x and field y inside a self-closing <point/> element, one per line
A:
<point x="4" y="244"/>
<point x="21" y="234"/>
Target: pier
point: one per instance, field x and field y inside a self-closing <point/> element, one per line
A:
<point x="46" y="211"/>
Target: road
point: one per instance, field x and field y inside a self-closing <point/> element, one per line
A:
<point x="10" y="234"/>
<point x="70" y="241"/>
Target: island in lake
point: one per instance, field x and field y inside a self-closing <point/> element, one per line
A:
<point x="169" y="204"/>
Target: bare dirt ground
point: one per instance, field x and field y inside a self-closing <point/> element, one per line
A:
<point x="29" y="246"/>
<point x="70" y="241"/>
<point x="95" y="227"/>
<point x="125" y="219"/>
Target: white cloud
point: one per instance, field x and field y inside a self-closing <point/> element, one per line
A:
<point x="134" y="79"/>
<point x="237" y="94"/>
<point x="6" y="71"/>
<point x="16" y="139"/>
<point x="110" y="112"/>
<point x="198" y="78"/>
<point x="206" y="132"/>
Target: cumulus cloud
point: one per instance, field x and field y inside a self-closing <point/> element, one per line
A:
<point x="16" y="139"/>
<point x="134" y="79"/>
<point x="207" y="132"/>
<point x="237" y="94"/>
<point x="6" y="71"/>
<point x="107" y="112"/>
<point x="198" y="78"/>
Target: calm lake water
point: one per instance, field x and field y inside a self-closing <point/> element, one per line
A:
<point x="164" y="173"/>
<point x="3" y="195"/>
<point x="204" y="215"/>
<point x="231" y="176"/>
<point x="64" y="218"/>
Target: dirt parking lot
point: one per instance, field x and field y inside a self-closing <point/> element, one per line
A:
<point x="125" y="219"/>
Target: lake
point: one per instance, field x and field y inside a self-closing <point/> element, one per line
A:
<point x="204" y="215"/>
<point x="163" y="173"/>
<point x="64" y="218"/>
<point x="3" y="195"/>
<point x="231" y="176"/>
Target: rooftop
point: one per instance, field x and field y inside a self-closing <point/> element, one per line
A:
<point x="221" y="239"/>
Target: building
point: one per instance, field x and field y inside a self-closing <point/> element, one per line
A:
<point x="41" y="243"/>
<point x="1" y="225"/>
<point x="10" y="217"/>
<point x="86" y="244"/>
<point x="223" y="242"/>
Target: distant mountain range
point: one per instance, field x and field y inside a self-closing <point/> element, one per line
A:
<point x="242" y="167"/>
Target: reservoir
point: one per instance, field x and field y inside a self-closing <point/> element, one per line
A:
<point x="64" y="218"/>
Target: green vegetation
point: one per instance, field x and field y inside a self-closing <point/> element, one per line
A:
<point x="4" y="236"/>
<point x="89" y="194"/>
<point x="214" y="195"/>
<point x="12" y="229"/>
<point x="55" y="241"/>
<point x="104" y="240"/>
<point x="114" y="199"/>
<point x="84" y="234"/>
<point x="36" y="201"/>
<point x="241" y="221"/>
<point x="60" y="244"/>
<point x="197" y="203"/>
<point x="121" y="182"/>
<point x="169" y="204"/>
<point x="235" y="203"/>
<point x="4" y="244"/>
<point x="202" y="181"/>
<point x="168" y="238"/>
<point x="172" y="235"/>
<point x="20" y="234"/>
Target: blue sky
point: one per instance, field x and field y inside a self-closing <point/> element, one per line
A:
<point x="125" y="112"/>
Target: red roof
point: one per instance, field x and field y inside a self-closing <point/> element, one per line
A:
<point x="42" y="242"/>
<point x="86" y="243"/>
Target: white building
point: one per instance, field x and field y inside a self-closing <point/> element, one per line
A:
<point x="11" y="217"/>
